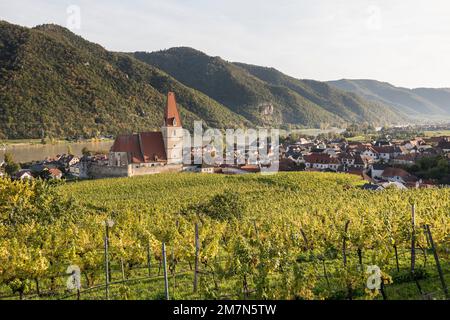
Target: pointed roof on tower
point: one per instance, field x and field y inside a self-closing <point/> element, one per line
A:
<point x="171" y="117"/>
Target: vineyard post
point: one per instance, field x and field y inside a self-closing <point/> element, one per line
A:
<point x="197" y="249"/>
<point x="344" y="243"/>
<point x="149" y="259"/>
<point x="256" y="229"/>
<point x="172" y="268"/>
<point x="436" y="258"/>
<point x="166" y="280"/>
<point x="122" y="268"/>
<point x="325" y="272"/>
<point x="413" y="238"/>
<point x="344" y="248"/>
<point x="304" y="238"/>
<point x="106" y="263"/>
<point x="360" y="257"/>
<point x="108" y="223"/>
<point x="396" y="257"/>
<point x="38" y="291"/>
<point x="173" y="264"/>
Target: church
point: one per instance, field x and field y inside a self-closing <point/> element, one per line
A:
<point x="147" y="152"/>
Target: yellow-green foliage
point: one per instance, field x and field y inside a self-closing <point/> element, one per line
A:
<point x="289" y="224"/>
<point x="267" y="235"/>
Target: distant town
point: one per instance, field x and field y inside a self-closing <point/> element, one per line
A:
<point x="386" y="157"/>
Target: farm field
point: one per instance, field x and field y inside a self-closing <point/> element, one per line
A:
<point x="285" y="236"/>
<point x="438" y="133"/>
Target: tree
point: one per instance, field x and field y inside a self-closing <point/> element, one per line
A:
<point x="85" y="151"/>
<point x="10" y="166"/>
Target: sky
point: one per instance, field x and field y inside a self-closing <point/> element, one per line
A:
<point x="404" y="42"/>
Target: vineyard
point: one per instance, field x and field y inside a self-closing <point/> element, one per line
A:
<point x="284" y="236"/>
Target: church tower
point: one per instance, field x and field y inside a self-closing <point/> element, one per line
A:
<point x="172" y="132"/>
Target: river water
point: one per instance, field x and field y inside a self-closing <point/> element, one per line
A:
<point x="34" y="152"/>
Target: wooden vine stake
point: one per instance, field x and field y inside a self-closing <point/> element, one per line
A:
<point x="436" y="258"/>
<point x="344" y="243"/>
<point x="197" y="251"/>
<point x="166" y="279"/>
<point x="149" y="257"/>
<point x="396" y="257"/>
<point x="344" y="256"/>
<point x="107" y="279"/>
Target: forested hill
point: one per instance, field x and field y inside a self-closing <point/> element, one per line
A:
<point x="57" y="83"/>
<point x="248" y="90"/>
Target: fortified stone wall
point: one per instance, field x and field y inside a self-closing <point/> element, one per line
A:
<point x="96" y="171"/>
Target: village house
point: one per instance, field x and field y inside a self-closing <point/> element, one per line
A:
<point x="24" y="174"/>
<point x="386" y="153"/>
<point x="377" y="170"/>
<point x="398" y="175"/>
<point x="444" y="145"/>
<point x="405" y="159"/>
<point x="53" y="173"/>
<point x="370" y="153"/>
<point x="322" y="161"/>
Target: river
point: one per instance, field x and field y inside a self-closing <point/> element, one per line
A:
<point x="35" y="152"/>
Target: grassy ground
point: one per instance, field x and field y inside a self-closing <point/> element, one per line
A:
<point x="437" y="133"/>
<point x="138" y="285"/>
<point x="359" y="139"/>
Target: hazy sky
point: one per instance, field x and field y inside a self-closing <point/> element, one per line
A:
<point x="405" y="42"/>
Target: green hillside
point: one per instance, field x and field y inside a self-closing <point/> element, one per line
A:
<point x="247" y="90"/>
<point x="348" y="106"/>
<point x="422" y="103"/>
<point x="55" y="82"/>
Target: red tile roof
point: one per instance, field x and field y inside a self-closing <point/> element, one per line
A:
<point x="142" y="147"/>
<point x="55" y="172"/>
<point x="320" y="158"/>
<point x="385" y="149"/>
<point x="397" y="172"/>
<point x="171" y="117"/>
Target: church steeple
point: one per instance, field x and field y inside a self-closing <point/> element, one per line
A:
<point x="172" y="131"/>
<point x="171" y="116"/>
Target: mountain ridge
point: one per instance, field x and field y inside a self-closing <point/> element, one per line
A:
<point x="419" y="102"/>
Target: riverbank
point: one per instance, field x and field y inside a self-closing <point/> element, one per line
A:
<point x="33" y="142"/>
<point x="24" y="151"/>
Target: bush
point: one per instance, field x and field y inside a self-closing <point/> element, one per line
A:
<point x="403" y="276"/>
<point x="221" y="207"/>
